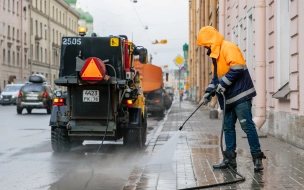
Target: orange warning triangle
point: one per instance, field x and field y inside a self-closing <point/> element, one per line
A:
<point x="91" y="71"/>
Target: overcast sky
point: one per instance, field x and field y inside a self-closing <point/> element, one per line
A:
<point x="165" y="19"/>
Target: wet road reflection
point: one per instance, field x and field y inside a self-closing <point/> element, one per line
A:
<point x="28" y="162"/>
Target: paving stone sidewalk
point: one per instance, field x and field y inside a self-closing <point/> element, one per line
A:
<point x="198" y="149"/>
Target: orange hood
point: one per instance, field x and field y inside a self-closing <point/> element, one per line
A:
<point x="210" y="37"/>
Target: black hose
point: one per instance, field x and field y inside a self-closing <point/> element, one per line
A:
<point x="104" y="136"/>
<point x="221" y="145"/>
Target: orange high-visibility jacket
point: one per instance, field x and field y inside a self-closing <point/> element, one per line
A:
<point x="231" y="68"/>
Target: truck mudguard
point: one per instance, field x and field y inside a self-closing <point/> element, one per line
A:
<point x="57" y="114"/>
<point x="135" y="117"/>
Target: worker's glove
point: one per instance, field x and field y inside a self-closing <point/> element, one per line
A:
<point x="207" y="98"/>
<point x="220" y="89"/>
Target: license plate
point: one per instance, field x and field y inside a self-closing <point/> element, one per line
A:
<point x="6" y="100"/>
<point x="90" y="96"/>
<point x="32" y="98"/>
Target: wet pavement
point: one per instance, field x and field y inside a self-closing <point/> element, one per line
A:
<point x="197" y="148"/>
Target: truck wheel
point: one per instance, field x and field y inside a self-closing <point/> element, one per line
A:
<point x="60" y="140"/>
<point x="29" y="110"/>
<point x="133" y="138"/>
<point x="19" y="110"/>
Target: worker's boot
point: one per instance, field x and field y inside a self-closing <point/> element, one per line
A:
<point x="257" y="160"/>
<point x="229" y="158"/>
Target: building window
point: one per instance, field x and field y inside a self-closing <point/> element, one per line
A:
<point x="18" y="59"/>
<point x="31" y="26"/>
<point x="45" y="31"/>
<point x="56" y="14"/>
<point x="41" y="5"/>
<point x="40" y="29"/>
<point x="13" y="6"/>
<point x="3" y="29"/>
<point x="17" y="34"/>
<point x="13" y="33"/>
<point x="17" y="10"/>
<point x="14" y="61"/>
<point x="8" y="5"/>
<point x="56" y="37"/>
<point x="4" y="56"/>
<point x="25" y="61"/>
<point x="32" y="50"/>
<point x="249" y="47"/>
<point x="41" y="57"/>
<point x="53" y="36"/>
<point x="283" y="41"/>
<point x="37" y="52"/>
<point x="59" y="16"/>
<point x="45" y="7"/>
<point x="9" y="57"/>
<point x="63" y="19"/>
<point x="54" y="58"/>
<point x="53" y="13"/>
<point x="36" y="27"/>
<point x="25" y="37"/>
<point x="45" y="55"/>
<point x="8" y="31"/>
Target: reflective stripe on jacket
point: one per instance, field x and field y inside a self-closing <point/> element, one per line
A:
<point x="231" y="68"/>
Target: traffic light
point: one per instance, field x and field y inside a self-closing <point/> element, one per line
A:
<point x="167" y="77"/>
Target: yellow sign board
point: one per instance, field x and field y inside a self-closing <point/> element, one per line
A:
<point x="179" y="60"/>
<point x="114" y="42"/>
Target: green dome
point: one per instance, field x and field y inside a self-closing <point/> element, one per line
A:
<point x="89" y="17"/>
<point x="72" y="2"/>
<point x="82" y="14"/>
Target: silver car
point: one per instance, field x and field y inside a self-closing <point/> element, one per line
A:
<point x="9" y="94"/>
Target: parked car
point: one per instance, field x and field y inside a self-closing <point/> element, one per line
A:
<point x="170" y="91"/>
<point x="36" y="94"/>
<point x="9" y="94"/>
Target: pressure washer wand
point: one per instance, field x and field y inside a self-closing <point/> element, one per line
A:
<point x="203" y="103"/>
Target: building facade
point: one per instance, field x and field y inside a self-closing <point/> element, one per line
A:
<point x="270" y="35"/>
<point x="50" y="20"/>
<point x="30" y="36"/>
<point x="14" y="41"/>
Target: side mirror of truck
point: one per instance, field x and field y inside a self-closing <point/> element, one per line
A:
<point x="143" y="55"/>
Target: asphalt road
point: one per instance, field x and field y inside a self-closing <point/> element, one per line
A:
<point x="28" y="162"/>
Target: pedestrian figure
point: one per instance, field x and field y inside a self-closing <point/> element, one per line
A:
<point x="231" y="77"/>
<point x="181" y="94"/>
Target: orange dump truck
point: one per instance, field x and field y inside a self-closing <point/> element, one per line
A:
<point x="157" y="99"/>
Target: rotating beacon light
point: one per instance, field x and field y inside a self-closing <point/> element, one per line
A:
<point x="82" y="31"/>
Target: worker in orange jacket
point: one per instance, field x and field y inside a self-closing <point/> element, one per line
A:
<point x="231" y="77"/>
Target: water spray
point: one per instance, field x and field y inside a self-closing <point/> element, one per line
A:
<point x="212" y="93"/>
